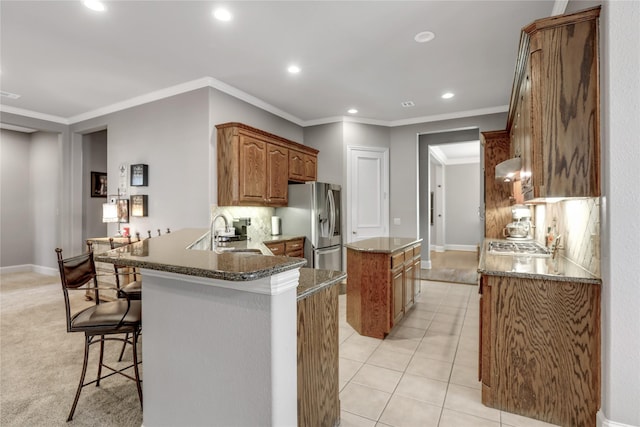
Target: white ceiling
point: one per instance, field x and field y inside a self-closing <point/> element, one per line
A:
<point x="457" y="153"/>
<point x="69" y="63"/>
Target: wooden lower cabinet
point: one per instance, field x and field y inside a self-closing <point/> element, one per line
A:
<point x="540" y="348"/>
<point x="381" y="288"/>
<point x="318" y="386"/>
<point x="292" y="248"/>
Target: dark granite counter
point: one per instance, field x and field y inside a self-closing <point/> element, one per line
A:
<point x="532" y="267"/>
<point x="382" y="244"/>
<point x="170" y="253"/>
<point x="312" y="281"/>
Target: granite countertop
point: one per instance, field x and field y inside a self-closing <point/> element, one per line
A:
<point x="533" y="267"/>
<point x="280" y="238"/>
<point x="169" y="253"/>
<point x="382" y="244"/>
<point x="312" y="281"/>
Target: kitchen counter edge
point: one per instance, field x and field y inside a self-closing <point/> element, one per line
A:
<point x="384" y="245"/>
<point x="500" y="266"/>
<point x="169" y="253"/>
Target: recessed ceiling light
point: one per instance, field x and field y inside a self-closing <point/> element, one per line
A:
<point x="407" y="104"/>
<point x="424" y="36"/>
<point x="352" y="111"/>
<point x="447" y="95"/>
<point x="222" y="14"/>
<point x="293" y="69"/>
<point x="96" y="5"/>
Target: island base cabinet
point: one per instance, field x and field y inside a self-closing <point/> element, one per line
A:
<point x="318" y="387"/>
<point x="540" y="348"/>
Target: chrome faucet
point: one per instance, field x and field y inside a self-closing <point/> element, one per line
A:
<point x="212" y="233"/>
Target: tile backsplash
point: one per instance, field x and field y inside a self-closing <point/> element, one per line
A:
<point x="260" y="227"/>
<point x="578" y="223"/>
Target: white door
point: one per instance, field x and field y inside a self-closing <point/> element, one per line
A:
<point x="367" y="192"/>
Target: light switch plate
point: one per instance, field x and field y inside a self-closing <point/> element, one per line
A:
<point x="396" y="221"/>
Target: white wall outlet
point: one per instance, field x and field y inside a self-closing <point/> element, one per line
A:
<point x="396" y="221"/>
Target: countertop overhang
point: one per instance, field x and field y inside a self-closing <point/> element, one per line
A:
<point x="169" y="253"/>
<point x="382" y="244"/>
<point x="533" y="267"/>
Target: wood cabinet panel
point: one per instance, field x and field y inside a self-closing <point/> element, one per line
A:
<point x="541" y="349"/>
<point x="497" y="211"/>
<point x="381" y="289"/>
<point x="252" y="173"/>
<point x="310" y="167"/>
<point x="555" y="107"/>
<point x="397" y="302"/>
<point x="318" y="382"/>
<point x="277" y="175"/>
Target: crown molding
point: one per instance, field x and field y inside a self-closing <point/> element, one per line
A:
<point x="250" y="99"/>
<point x="33" y="114"/>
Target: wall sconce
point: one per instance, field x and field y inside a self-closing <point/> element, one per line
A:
<point x="139" y="205"/>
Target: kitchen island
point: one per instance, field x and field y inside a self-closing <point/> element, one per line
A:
<point x="539" y="337"/>
<point x="220" y="330"/>
<point x="384" y="279"/>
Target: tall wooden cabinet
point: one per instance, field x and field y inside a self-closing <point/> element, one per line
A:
<point x="497" y="195"/>
<point x="554" y="114"/>
<point x="255" y="167"/>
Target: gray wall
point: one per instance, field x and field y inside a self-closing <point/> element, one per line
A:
<point x="620" y="227"/>
<point x="94" y="159"/>
<point x="328" y="139"/>
<point x="404" y="170"/>
<point x="16" y="214"/>
<point x="462" y="198"/>
<point x="29" y="199"/>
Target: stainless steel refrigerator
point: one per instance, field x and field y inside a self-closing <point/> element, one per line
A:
<point x="314" y="212"/>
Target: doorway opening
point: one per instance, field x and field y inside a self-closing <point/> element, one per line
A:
<point x="450" y="204"/>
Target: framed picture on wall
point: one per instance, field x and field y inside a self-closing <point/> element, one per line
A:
<point x="99" y="184"/>
<point x="139" y="175"/>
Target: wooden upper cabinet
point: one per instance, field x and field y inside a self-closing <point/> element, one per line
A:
<point x="277" y="175"/>
<point x="497" y="195"/>
<point x="302" y="166"/>
<point x="554" y="114"/>
<point x="252" y="173"/>
<point x="254" y="166"/>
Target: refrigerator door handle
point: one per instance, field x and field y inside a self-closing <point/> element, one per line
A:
<point x="332" y="214"/>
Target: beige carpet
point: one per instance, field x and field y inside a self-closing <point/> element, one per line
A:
<point x="452" y="266"/>
<point x="40" y="362"/>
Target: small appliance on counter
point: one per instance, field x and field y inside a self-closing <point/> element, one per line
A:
<point x="520" y="228"/>
<point x="240" y="225"/>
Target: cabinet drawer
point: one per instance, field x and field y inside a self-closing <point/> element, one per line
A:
<point x="296" y="254"/>
<point x="417" y="249"/>
<point x="294" y="245"/>
<point x="397" y="259"/>
<point x="408" y="254"/>
<point x="276" y="248"/>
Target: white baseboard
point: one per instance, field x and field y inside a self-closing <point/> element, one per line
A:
<point x="29" y="268"/>
<point x="425" y="264"/>
<point x="437" y="248"/>
<point x="465" y="248"/>
<point x="602" y="421"/>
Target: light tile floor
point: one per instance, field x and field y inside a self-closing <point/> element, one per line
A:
<point x="425" y="373"/>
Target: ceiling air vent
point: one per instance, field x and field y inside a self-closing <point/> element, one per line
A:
<point x="408" y="104"/>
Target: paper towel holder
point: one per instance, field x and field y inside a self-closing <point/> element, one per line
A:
<point x="276" y="226"/>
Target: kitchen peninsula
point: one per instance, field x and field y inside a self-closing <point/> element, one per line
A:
<point x="220" y="331"/>
<point x="383" y="282"/>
